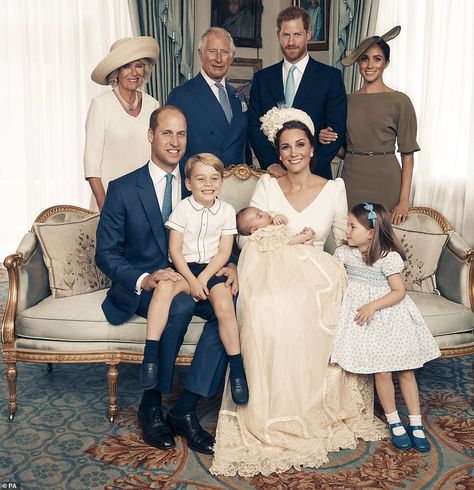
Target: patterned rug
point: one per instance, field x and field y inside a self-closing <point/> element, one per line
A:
<point x="60" y="438"/>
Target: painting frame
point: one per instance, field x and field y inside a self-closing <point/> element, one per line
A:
<point x="321" y="44"/>
<point x="241" y="73"/>
<point x="241" y="18"/>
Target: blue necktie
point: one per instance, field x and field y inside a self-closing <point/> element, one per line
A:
<point x="167" y="198"/>
<point x="290" y="87"/>
<point x="224" y="102"/>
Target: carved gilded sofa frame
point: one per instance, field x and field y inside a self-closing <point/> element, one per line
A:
<point x="12" y="353"/>
<point x="456" y="261"/>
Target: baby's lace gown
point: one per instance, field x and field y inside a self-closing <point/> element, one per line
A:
<point x="300" y="408"/>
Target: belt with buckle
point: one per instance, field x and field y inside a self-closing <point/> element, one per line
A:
<point x="370" y="153"/>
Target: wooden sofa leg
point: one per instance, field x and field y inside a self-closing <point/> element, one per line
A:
<point x="11" y="374"/>
<point x="112" y="378"/>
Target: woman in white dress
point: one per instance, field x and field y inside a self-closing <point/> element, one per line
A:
<point x="300" y="408"/>
<point x="118" y="120"/>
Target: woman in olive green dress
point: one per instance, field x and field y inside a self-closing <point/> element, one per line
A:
<point x="378" y="117"/>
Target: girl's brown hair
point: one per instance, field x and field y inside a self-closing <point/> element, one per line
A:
<point x="384" y="239"/>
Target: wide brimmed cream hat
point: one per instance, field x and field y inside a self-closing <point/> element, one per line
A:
<point x="124" y="51"/>
<point x="354" y="55"/>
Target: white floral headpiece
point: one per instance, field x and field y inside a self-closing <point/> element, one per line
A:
<point x="274" y="119"/>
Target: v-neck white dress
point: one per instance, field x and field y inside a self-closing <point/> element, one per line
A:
<point x="300" y="407"/>
<point x="325" y="214"/>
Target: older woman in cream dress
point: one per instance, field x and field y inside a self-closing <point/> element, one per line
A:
<point x="300" y="407"/>
<point x="118" y="120"/>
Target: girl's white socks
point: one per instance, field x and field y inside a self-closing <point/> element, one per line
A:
<point x="393" y="418"/>
<point x="416" y="420"/>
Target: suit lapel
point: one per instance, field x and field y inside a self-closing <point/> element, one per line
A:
<point x="147" y="195"/>
<point x="209" y="102"/>
<point x="184" y="191"/>
<point x="236" y="106"/>
<point x="308" y="84"/>
<point x="275" y="83"/>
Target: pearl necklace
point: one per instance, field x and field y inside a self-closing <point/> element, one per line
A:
<point x="126" y="105"/>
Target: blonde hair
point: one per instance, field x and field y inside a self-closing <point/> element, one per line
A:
<point x="206" y="159"/>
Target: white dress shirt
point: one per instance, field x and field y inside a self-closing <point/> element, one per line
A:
<point x="202" y="227"/>
<point x="297" y="73"/>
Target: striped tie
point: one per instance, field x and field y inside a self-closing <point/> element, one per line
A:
<point x="167" y="198"/>
<point x="290" y="87"/>
<point x="224" y="102"/>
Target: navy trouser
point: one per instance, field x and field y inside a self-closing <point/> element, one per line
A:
<point x="210" y="360"/>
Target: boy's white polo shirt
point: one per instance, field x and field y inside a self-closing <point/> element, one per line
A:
<point x="202" y="227"/>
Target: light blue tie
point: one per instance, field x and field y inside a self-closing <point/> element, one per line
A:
<point x="167" y="198"/>
<point x="290" y="87"/>
<point x="224" y="102"/>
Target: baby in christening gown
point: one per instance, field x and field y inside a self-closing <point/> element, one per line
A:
<point x="291" y="259"/>
<point x="287" y="311"/>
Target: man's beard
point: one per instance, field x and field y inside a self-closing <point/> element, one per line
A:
<point x="293" y="54"/>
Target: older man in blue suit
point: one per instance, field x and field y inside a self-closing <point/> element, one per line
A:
<point x="132" y="249"/>
<point x="301" y="82"/>
<point x="215" y="111"/>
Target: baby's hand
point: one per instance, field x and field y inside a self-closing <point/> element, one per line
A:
<point x="280" y="219"/>
<point x="309" y="235"/>
<point x="199" y="291"/>
<point x="365" y="314"/>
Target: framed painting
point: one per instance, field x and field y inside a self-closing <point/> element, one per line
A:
<point x="241" y="73"/>
<point x="241" y="18"/>
<point x="318" y="11"/>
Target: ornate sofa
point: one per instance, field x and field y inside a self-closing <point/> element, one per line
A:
<point x="38" y="328"/>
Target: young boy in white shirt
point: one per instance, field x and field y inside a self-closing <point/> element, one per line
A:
<point x="202" y="229"/>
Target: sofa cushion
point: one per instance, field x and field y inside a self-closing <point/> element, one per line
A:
<point x="422" y="251"/>
<point x="442" y="316"/>
<point x="80" y="318"/>
<point x="68" y="252"/>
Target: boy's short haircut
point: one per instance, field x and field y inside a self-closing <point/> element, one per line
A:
<point x="242" y="227"/>
<point x="205" y="158"/>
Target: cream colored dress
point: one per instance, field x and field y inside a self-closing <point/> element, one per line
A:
<point x="116" y="142"/>
<point x="300" y="408"/>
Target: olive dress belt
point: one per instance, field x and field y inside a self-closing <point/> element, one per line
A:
<point x="370" y="153"/>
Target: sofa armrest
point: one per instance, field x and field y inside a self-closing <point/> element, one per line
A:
<point x="455" y="274"/>
<point x="28" y="282"/>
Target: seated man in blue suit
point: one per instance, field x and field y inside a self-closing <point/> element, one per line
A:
<point x="132" y="249"/>
<point x="301" y="82"/>
<point x="215" y="111"/>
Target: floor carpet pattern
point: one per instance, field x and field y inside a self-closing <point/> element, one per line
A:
<point x="61" y="439"/>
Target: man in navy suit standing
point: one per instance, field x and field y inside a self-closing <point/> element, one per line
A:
<point x="132" y="249"/>
<point x="301" y="82"/>
<point x="215" y="111"/>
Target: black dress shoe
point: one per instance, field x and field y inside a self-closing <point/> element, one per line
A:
<point x="148" y="375"/>
<point x="239" y="390"/>
<point x="155" y="431"/>
<point x="188" y="426"/>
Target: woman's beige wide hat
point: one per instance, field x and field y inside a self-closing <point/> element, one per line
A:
<point x="353" y="56"/>
<point x="124" y="51"/>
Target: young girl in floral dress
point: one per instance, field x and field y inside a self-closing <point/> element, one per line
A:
<point x="380" y="329"/>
